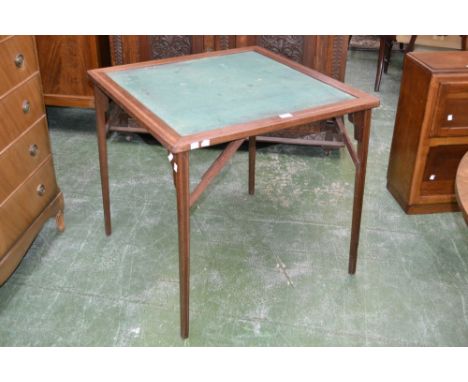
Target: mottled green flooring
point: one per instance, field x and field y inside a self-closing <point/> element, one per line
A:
<point x="82" y="288"/>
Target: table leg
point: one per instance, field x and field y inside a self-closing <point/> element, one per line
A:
<point x="102" y="105"/>
<point x="252" y="156"/>
<point x="361" y="122"/>
<point x="182" y="181"/>
<point x="380" y="64"/>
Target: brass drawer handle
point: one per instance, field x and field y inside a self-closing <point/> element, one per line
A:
<point x="40" y="190"/>
<point x="33" y="150"/>
<point x="19" y="60"/>
<point x="26" y="106"/>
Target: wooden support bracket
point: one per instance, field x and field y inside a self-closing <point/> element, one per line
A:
<point x="347" y="140"/>
<point x="300" y="141"/>
<point x="215" y="169"/>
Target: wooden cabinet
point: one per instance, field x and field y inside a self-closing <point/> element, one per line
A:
<point x="431" y="131"/>
<point x="327" y="54"/>
<point x="64" y="62"/>
<point x="29" y="194"/>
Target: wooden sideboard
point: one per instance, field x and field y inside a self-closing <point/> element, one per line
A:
<point x="326" y="54"/>
<point x="29" y="194"/>
<point x="431" y="131"/>
<point x="64" y="62"/>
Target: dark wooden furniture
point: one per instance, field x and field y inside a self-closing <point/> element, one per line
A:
<point x="29" y="194"/>
<point x="461" y="186"/>
<point x="385" y="52"/>
<point x="327" y="54"/>
<point x="64" y="62"/>
<point x="353" y="102"/>
<point x="431" y="131"/>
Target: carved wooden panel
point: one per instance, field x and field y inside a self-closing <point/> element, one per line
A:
<point x="327" y="54"/>
<point x="116" y="47"/>
<point x="170" y="46"/>
<point x="338" y="57"/>
<point x="225" y="42"/>
<point x="130" y="49"/>
<point x="290" y="46"/>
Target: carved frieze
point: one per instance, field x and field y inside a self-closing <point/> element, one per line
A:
<point x="290" y="46"/>
<point x="224" y="42"/>
<point x="170" y="46"/>
<point x="117" y="50"/>
<point x="339" y="49"/>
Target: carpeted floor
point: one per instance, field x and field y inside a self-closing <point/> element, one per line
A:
<point x="368" y="43"/>
<point x="364" y="43"/>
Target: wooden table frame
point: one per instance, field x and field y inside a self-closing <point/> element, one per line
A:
<point x="461" y="186"/>
<point x="358" y="110"/>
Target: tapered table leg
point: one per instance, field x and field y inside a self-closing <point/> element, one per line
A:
<point x="182" y="181"/>
<point x="361" y="122"/>
<point x="102" y="105"/>
<point x="252" y="155"/>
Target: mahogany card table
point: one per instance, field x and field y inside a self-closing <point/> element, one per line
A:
<point x="191" y="102"/>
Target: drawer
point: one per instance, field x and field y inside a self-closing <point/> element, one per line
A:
<point x="17" y="61"/>
<point x="19" y="110"/>
<point x="21" y="208"/>
<point x="441" y="169"/>
<point x="22" y="157"/>
<point x="451" y="112"/>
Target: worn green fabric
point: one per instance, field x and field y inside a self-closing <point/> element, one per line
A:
<point x="208" y="93"/>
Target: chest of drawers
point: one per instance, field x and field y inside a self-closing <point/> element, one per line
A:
<point x="431" y="131"/>
<point x="29" y="194"/>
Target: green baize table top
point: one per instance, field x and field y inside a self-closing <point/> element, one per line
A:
<point x="207" y="93"/>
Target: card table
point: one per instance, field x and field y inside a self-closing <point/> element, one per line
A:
<point x="196" y="101"/>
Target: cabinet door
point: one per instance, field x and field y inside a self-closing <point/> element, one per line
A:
<point x="441" y="168"/>
<point x="64" y="62"/>
<point x="451" y="113"/>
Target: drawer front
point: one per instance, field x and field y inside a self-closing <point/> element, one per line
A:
<point x="22" y="207"/>
<point x="19" y="110"/>
<point x="441" y="169"/>
<point x="451" y="113"/>
<point x="17" y="61"/>
<point x="23" y="157"/>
